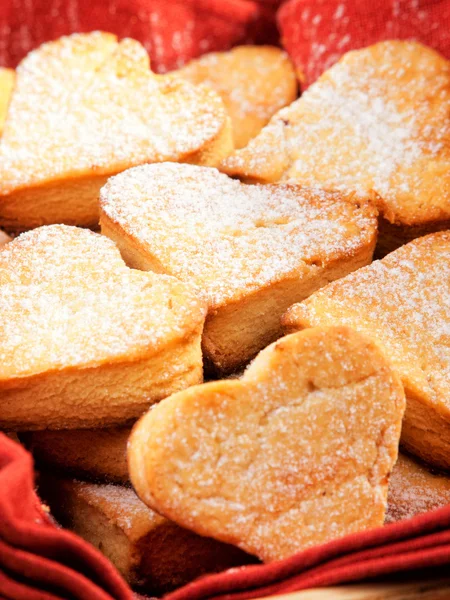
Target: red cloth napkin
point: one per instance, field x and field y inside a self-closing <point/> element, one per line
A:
<point x="412" y="545"/>
<point x="39" y="561"/>
<point x="316" y="33"/>
<point x="173" y="31"/>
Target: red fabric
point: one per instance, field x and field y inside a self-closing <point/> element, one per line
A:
<point x="316" y="33"/>
<point x="416" y="544"/>
<point x="39" y="561"/>
<point x="172" y="31"/>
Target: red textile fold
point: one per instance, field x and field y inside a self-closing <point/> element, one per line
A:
<point x="37" y="559"/>
<point x="173" y="32"/>
<point x="316" y="33"/>
<point x="419" y="543"/>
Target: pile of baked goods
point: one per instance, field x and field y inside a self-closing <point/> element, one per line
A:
<point x="208" y="225"/>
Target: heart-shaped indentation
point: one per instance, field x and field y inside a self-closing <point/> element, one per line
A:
<point x="86" y="107"/>
<point x="86" y="341"/>
<point x="250" y="250"/>
<point x="295" y="453"/>
<point x="253" y="81"/>
<point x="376" y="124"/>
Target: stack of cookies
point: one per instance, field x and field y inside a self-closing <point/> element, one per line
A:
<point x="207" y="225"/>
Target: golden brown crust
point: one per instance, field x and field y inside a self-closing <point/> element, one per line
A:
<point x="7" y="78"/>
<point x="403" y="303"/>
<point x="414" y="489"/>
<point x="87" y="342"/>
<point x="295" y="453"/>
<point x="391" y="237"/>
<point x="94" y="454"/>
<point x="254" y="82"/>
<point x="377" y="123"/>
<point x="89" y="107"/>
<point x="151" y="552"/>
<point x="250" y="250"/>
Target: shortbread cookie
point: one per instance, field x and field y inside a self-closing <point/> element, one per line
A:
<point x="296" y="453"/>
<point x="251" y="250"/>
<point x="377" y="123"/>
<point x="95" y="454"/>
<point x="414" y="490"/>
<point x="86" y="341"/>
<point x="254" y="82"/>
<point x="150" y="551"/>
<point x="403" y="302"/>
<point x="7" y="77"/>
<point x="96" y="110"/>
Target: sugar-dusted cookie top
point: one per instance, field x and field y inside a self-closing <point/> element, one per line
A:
<point x="88" y="105"/>
<point x="403" y="302"/>
<point x="229" y="238"/>
<point x="67" y="300"/>
<point x="296" y="453"/>
<point x="377" y="123"/>
<point x="253" y="81"/>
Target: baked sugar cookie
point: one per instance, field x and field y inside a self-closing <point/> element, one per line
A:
<point x="251" y="250"/>
<point x="296" y="453"/>
<point x="402" y="302"/>
<point x="415" y="489"/>
<point x="94" y="454"/>
<point x="86" y="341"/>
<point x="254" y="82"/>
<point x="377" y="123"/>
<point x="85" y="107"/>
<point x="152" y="553"/>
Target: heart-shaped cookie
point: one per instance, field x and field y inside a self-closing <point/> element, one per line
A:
<point x="86" y="341"/>
<point x="295" y="453"/>
<point x="86" y="107"/>
<point x="254" y="82"/>
<point x="403" y="302"/>
<point x="250" y="250"/>
<point x="376" y="124"/>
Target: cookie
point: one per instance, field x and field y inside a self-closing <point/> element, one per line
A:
<point x="415" y="489"/>
<point x="402" y="302"/>
<point x="375" y="124"/>
<point x="86" y="341"/>
<point x="250" y="250"/>
<point x="94" y="454"/>
<point x="85" y="107"/>
<point x="296" y="453"/>
<point x="152" y="553"/>
<point x="254" y="82"/>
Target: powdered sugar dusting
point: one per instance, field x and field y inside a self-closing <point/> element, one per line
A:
<point x="294" y="454"/>
<point x="369" y="126"/>
<point x="68" y="299"/>
<point x="86" y="104"/>
<point x="414" y="490"/>
<point x="404" y="302"/>
<point x="121" y="506"/>
<point x="227" y="237"/>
